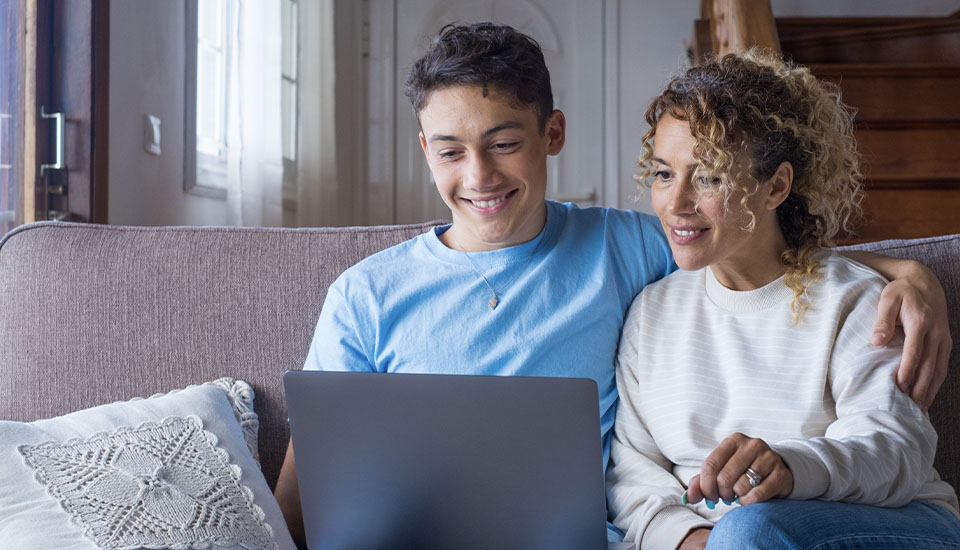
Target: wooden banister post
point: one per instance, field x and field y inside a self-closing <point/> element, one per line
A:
<point x="738" y="25"/>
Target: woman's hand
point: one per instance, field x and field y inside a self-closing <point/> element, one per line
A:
<point x="724" y="474"/>
<point x="695" y="540"/>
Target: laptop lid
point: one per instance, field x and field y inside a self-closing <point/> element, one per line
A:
<point x="447" y="461"/>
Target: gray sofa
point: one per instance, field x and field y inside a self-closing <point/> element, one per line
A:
<point x="91" y="314"/>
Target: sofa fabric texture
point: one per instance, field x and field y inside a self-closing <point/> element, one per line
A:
<point x="95" y="314"/>
<point x="92" y="314"/>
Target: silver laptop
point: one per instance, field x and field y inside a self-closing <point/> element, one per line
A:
<point x="447" y="461"/>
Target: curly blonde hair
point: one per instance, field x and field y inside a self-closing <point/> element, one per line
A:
<point x="751" y="112"/>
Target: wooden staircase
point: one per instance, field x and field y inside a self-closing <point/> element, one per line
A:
<point x="903" y="77"/>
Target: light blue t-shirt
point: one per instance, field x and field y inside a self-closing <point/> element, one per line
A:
<point x="420" y="307"/>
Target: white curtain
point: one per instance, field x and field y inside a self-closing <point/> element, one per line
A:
<point x="255" y="158"/>
<point x="316" y="170"/>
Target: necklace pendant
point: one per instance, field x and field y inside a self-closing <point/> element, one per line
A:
<point x="493" y="302"/>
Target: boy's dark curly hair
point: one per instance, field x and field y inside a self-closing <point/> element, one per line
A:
<point x="485" y="55"/>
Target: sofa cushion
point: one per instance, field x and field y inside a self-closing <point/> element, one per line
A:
<point x="91" y="314"/>
<point x="170" y="471"/>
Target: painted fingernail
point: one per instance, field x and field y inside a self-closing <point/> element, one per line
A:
<point x="711" y="504"/>
<point x="727" y="502"/>
<point x="737" y="500"/>
<point x="683" y="498"/>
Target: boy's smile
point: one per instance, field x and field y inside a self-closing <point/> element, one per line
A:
<point x="489" y="161"/>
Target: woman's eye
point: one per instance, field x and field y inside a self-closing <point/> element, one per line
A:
<point x="709" y="181"/>
<point x="662" y="175"/>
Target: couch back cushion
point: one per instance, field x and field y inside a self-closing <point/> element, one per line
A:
<point x="92" y="314"/>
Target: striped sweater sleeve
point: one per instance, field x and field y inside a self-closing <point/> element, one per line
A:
<point x="861" y="458"/>
<point x="642" y="492"/>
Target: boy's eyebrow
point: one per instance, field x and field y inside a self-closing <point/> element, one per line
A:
<point x="440" y="137"/>
<point x="509" y="125"/>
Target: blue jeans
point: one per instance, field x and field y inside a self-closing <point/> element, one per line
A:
<point x="820" y="525"/>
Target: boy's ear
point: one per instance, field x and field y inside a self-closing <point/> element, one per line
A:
<point x="423" y="145"/>
<point x="556" y="131"/>
<point x="780" y="185"/>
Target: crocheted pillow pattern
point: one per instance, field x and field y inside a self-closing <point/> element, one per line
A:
<point x="171" y="471"/>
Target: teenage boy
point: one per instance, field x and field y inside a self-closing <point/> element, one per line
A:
<point x="516" y="285"/>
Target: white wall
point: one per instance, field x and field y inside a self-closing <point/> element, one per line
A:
<point x="147" y="77"/>
<point x="653" y="36"/>
<point x="147" y="72"/>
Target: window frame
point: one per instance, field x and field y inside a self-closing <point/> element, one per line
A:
<point x="203" y="174"/>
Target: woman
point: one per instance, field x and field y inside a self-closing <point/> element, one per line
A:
<point x="746" y="377"/>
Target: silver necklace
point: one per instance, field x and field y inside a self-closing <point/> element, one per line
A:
<point x="495" y="301"/>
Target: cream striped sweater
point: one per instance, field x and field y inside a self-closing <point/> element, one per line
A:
<point x="698" y="362"/>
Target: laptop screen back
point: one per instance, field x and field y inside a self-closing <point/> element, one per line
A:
<point x="447" y="461"/>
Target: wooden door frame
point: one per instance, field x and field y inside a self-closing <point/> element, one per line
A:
<point x="31" y="109"/>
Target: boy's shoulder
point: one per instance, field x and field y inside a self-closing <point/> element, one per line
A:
<point x="405" y="255"/>
<point x="617" y="227"/>
<point x="588" y="214"/>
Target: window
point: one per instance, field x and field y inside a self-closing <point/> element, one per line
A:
<point x="213" y="110"/>
<point x="212" y="57"/>
<point x="208" y="58"/>
<point x="289" y="78"/>
<point x="291" y="107"/>
<point x="8" y="185"/>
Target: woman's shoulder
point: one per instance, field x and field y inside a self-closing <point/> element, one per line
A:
<point x="841" y="275"/>
<point x="680" y="285"/>
<point x="843" y="269"/>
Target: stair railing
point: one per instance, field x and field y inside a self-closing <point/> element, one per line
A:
<point x="738" y="25"/>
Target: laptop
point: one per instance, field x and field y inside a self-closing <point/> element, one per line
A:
<point x="447" y="461"/>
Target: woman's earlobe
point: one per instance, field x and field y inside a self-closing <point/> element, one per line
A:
<point x="781" y="183"/>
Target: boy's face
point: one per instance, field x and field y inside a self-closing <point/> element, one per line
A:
<point x="489" y="161"/>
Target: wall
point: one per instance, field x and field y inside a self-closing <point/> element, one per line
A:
<point x="147" y="77"/>
<point x="653" y="34"/>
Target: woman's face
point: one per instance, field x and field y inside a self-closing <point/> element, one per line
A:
<point x="706" y="228"/>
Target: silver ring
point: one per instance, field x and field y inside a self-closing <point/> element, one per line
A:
<point x="754" y="477"/>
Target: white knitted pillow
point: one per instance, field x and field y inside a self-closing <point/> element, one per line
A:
<point x="170" y="471"/>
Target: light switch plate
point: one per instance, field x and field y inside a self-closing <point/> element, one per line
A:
<point x="151" y="134"/>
